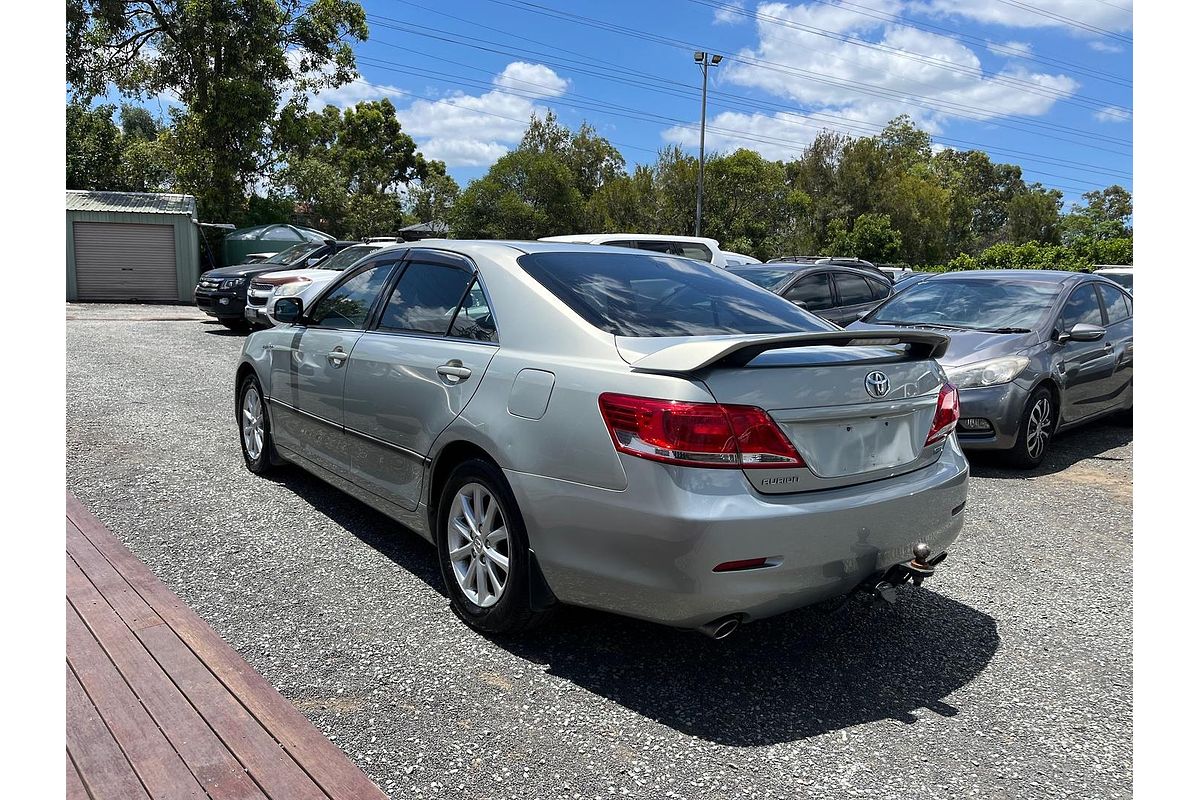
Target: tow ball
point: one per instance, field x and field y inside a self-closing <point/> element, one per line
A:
<point x="917" y="570"/>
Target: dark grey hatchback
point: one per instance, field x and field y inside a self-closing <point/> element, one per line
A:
<point x="840" y="294"/>
<point x="1032" y="352"/>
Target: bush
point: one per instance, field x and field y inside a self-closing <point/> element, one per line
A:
<point x="1079" y="256"/>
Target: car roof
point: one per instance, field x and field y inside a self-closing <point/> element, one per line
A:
<point x="1037" y="275"/>
<point x="627" y="237"/>
<point x="792" y="266"/>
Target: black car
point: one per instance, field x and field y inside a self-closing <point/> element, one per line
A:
<point x="840" y="294"/>
<point x="221" y="292"/>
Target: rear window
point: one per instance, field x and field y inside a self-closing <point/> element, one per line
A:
<point x="766" y="278"/>
<point x="349" y="256"/>
<point x="641" y="294"/>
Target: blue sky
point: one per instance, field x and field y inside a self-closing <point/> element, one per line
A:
<point x="1041" y="83"/>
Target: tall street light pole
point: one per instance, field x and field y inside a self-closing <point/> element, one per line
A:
<point x="704" y="61"/>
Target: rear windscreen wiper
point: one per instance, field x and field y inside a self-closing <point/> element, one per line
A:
<point x="1004" y="330"/>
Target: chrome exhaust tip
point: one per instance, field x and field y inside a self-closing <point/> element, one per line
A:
<point x="721" y="628"/>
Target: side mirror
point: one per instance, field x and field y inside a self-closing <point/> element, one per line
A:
<point x="1082" y="332"/>
<point x="288" y="309"/>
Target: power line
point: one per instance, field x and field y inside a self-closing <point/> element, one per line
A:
<point x="657" y="85"/>
<point x="1070" y="21"/>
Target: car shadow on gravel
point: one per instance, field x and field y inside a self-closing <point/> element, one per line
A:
<point x="1087" y="443"/>
<point x="777" y="680"/>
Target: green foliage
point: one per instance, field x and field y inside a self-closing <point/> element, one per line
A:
<point x="872" y="238"/>
<point x="93" y="148"/>
<point x="525" y="195"/>
<point x="1105" y="215"/>
<point x="431" y="198"/>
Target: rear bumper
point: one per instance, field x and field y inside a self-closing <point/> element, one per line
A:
<point x="649" y="551"/>
<point x="1002" y="406"/>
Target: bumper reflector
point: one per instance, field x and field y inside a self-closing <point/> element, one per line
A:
<point x="745" y="563"/>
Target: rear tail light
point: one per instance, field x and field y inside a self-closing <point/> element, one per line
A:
<point x="696" y="434"/>
<point x="946" y="415"/>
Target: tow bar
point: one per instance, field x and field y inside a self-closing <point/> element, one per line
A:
<point x="916" y="570"/>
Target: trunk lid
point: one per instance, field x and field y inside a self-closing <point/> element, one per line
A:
<point x="848" y="428"/>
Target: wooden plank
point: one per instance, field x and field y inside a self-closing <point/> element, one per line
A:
<point x="328" y="765"/>
<point x="269" y="764"/>
<point x="217" y="770"/>
<point x="116" y="590"/>
<point x="155" y="761"/>
<point x="75" y="790"/>
<point x="102" y="766"/>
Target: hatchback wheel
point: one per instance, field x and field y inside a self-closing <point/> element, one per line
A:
<point x="253" y="427"/>
<point x="483" y="551"/>
<point x="1033" y="435"/>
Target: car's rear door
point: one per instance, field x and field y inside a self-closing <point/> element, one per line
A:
<point x="1085" y="367"/>
<point x="414" y="371"/>
<point x="309" y="372"/>
<point x="1118" y="334"/>
<point x="855" y="296"/>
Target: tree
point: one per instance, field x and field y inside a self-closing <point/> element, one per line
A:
<point x="431" y="198"/>
<point x="525" y="195"/>
<point x="872" y="238"/>
<point x="624" y="203"/>
<point x="1033" y="216"/>
<point x="746" y="199"/>
<point x="229" y="62"/>
<point x="1105" y="215"/>
<point x="93" y="148"/>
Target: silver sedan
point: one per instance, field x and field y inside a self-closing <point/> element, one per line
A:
<point x="624" y="430"/>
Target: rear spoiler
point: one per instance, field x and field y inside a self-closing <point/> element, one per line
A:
<point x="703" y="353"/>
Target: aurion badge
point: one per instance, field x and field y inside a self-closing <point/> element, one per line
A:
<point x="878" y="384"/>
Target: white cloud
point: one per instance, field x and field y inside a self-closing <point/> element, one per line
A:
<point x="849" y="87"/>
<point x="1101" y="46"/>
<point x="1112" y="114"/>
<point x="1010" y="49"/>
<point x="1110" y="15"/>
<point x="730" y="13"/>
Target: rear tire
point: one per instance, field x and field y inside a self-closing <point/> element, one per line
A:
<point x="483" y="551"/>
<point x="1034" y="432"/>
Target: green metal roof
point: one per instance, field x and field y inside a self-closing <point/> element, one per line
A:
<point x="131" y="202"/>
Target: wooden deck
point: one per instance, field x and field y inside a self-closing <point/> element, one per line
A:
<point x="158" y="706"/>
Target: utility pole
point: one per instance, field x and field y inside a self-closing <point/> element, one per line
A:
<point x="704" y="61"/>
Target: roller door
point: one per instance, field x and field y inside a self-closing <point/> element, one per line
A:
<point x="120" y="262"/>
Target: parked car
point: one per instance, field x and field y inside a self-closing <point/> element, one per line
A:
<point x="909" y="279"/>
<point x="306" y="283"/>
<point x="1032" y="352"/>
<point x="1122" y="276"/>
<point x="738" y="259"/>
<point x="895" y="273"/>
<point x="838" y="294"/>
<point x="697" y="247"/>
<point x="629" y="431"/>
<point x="221" y="292"/>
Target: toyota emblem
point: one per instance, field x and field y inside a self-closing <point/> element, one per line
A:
<point x="878" y="384"/>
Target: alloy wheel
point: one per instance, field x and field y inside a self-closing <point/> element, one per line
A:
<point x="479" y="545"/>
<point x="1037" y="433"/>
<point x="253" y="426"/>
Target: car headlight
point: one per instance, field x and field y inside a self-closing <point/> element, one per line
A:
<point x="289" y="289"/>
<point x="987" y="373"/>
<point x="232" y="283"/>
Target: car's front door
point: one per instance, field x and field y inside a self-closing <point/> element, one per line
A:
<point x="813" y="293"/>
<point x="415" y="371"/>
<point x="309" y="371"/>
<point x="1085" y="367"/>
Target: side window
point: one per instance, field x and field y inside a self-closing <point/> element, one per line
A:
<point x="671" y="248"/>
<point x="813" y="291"/>
<point x="474" y="317"/>
<point x="1114" y="304"/>
<point x="879" y="290"/>
<point x="852" y="289"/>
<point x="425" y="299"/>
<point x="696" y="250"/>
<point x="349" y="304"/>
<point x="622" y="243"/>
<point x="1082" y="306"/>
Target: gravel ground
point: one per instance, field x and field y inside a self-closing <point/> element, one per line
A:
<point x="1009" y="675"/>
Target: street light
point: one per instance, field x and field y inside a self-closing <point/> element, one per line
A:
<point x="704" y="61"/>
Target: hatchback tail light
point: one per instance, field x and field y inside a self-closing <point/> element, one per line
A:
<point x="696" y="434"/>
<point x="946" y="415"/>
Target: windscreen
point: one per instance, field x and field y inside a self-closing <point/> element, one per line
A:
<point x="348" y="256"/>
<point x="1124" y="279"/>
<point x="766" y="278"/>
<point x="971" y="304"/>
<point x="293" y="253"/>
<point x="645" y="294"/>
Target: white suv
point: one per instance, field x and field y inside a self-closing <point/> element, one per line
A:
<point x="303" y="283"/>
<point x="697" y="247"/>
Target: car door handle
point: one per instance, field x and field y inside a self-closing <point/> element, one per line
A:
<point x="337" y="357"/>
<point x="455" y="370"/>
<point x="1108" y="345"/>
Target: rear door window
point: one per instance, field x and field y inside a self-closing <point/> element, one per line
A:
<point x="813" y="291"/>
<point x="1114" y="303"/>
<point x="852" y="289"/>
<point x="879" y="289"/>
<point x="474" y="318"/>
<point x="425" y="299"/>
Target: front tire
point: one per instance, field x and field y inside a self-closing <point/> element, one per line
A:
<point x="1034" y="432"/>
<point x="483" y="551"/>
<point x="254" y="427"/>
